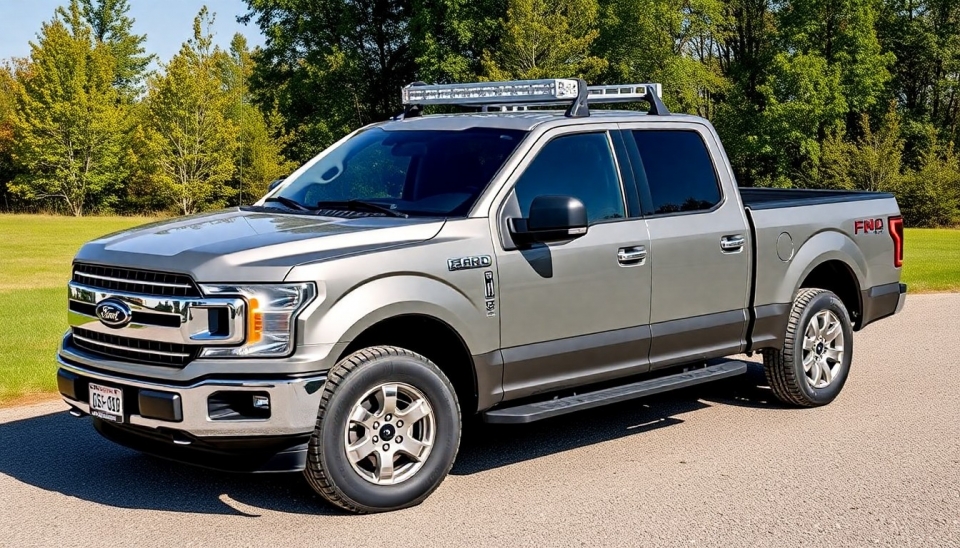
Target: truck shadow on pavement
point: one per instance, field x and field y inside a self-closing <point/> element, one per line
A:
<point x="61" y="454"/>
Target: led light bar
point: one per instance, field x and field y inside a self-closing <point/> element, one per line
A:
<point x="620" y="93"/>
<point x="487" y="93"/>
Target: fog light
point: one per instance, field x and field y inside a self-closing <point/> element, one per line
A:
<point x="261" y="402"/>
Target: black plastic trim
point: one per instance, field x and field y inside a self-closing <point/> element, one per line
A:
<point x="574" y="361"/>
<point x="247" y="454"/>
<point x="545" y="409"/>
<point x="770" y="326"/>
<point x="880" y="301"/>
<point x="688" y="340"/>
<point x="164" y="406"/>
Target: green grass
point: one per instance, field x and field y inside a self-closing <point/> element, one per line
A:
<point x="35" y="256"/>
<point x="931" y="260"/>
<point x="36" y="251"/>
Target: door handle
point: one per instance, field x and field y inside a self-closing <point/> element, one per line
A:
<point x="631" y="255"/>
<point x="732" y="243"/>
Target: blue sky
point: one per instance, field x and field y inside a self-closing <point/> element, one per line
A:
<point x="167" y="23"/>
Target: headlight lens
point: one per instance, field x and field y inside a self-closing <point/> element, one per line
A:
<point x="271" y="313"/>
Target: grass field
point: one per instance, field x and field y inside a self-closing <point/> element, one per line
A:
<point x="36" y="251"/>
<point x="35" y="255"/>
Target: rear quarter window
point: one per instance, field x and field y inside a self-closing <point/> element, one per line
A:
<point x="678" y="170"/>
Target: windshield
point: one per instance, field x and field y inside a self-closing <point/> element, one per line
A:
<point x="412" y="172"/>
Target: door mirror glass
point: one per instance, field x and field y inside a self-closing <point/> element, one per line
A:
<point x="552" y="218"/>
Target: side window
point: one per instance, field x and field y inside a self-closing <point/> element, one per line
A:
<point x="580" y="166"/>
<point x="678" y="170"/>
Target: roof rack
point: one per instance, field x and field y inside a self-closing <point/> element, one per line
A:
<point x="528" y="93"/>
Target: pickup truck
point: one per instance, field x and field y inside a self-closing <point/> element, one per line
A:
<point x="513" y="260"/>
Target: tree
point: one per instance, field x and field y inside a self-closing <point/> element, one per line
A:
<point x="188" y="137"/>
<point x="843" y="33"/>
<point x="674" y="42"/>
<point x="804" y="102"/>
<point x="546" y="39"/>
<point x="448" y="37"/>
<point x="112" y="26"/>
<point x="930" y="196"/>
<point x="873" y="163"/>
<point x="258" y="158"/>
<point x="7" y="113"/>
<point x="330" y="66"/>
<point x="69" y="123"/>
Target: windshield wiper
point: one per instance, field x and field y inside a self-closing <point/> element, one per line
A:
<point x="292" y="204"/>
<point x="360" y="205"/>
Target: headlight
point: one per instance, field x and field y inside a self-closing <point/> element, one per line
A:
<point x="271" y="311"/>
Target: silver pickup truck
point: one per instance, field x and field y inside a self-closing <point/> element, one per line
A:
<point x="512" y="262"/>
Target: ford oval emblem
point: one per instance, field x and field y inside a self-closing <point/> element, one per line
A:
<point x="114" y="313"/>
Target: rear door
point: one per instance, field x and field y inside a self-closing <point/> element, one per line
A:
<point x="577" y="311"/>
<point x="699" y="252"/>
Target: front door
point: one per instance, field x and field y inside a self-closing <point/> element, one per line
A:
<point x="574" y="312"/>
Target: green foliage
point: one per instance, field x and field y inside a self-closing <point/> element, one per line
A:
<point x="110" y="24"/>
<point x="330" y="66"/>
<point x="68" y="128"/>
<point x="448" y="37"/>
<point x="258" y="157"/>
<point x="188" y="139"/>
<point x="930" y="196"/>
<point x="675" y="42"/>
<point x="546" y="39"/>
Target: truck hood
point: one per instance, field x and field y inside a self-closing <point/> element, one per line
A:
<point x="246" y="246"/>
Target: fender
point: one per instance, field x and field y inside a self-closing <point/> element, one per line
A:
<point x="830" y="245"/>
<point x="397" y="295"/>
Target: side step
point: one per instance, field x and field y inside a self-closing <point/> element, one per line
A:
<point x="531" y="412"/>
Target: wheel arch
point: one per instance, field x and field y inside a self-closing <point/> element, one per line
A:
<point x="432" y="338"/>
<point x="829" y="260"/>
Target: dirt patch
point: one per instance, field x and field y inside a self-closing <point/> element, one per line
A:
<point x="30" y="399"/>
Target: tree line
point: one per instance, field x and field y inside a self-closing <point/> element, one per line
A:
<point x="846" y="94"/>
<point x="85" y="127"/>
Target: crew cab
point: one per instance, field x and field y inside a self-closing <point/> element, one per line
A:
<point x="512" y="262"/>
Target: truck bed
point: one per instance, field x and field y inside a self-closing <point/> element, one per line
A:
<point x="775" y="198"/>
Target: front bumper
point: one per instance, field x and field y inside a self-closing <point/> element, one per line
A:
<point x="293" y="402"/>
<point x="174" y="421"/>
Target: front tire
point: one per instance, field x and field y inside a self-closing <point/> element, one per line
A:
<point x="388" y="431"/>
<point x="811" y="367"/>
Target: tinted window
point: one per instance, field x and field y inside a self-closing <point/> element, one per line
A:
<point x="679" y="171"/>
<point x="419" y="172"/>
<point x="580" y="166"/>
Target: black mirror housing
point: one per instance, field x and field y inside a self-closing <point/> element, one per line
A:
<point x="552" y="218"/>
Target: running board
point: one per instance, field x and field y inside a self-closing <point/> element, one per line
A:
<point x="531" y="412"/>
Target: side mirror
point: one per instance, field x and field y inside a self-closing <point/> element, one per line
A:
<point x="552" y="218"/>
<point x="274" y="184"/>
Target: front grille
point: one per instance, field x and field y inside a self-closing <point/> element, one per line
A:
<point x="127" y="280"/>
<point x="134" y="350"/>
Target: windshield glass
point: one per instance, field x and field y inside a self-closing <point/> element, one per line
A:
<point x="415" y="172"/>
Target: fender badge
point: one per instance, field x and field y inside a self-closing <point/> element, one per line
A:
<point x="464" y="263"/>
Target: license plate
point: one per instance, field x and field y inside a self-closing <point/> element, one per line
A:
<point x="106" y="403"/>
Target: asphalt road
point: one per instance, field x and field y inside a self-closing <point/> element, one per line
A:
<point x="715" y="465"/>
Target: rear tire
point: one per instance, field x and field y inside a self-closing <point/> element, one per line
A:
<point x="363" y="456"/>
<point x="811" y="367"/>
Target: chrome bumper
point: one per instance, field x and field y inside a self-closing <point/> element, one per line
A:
<point x="293" y="404"/>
